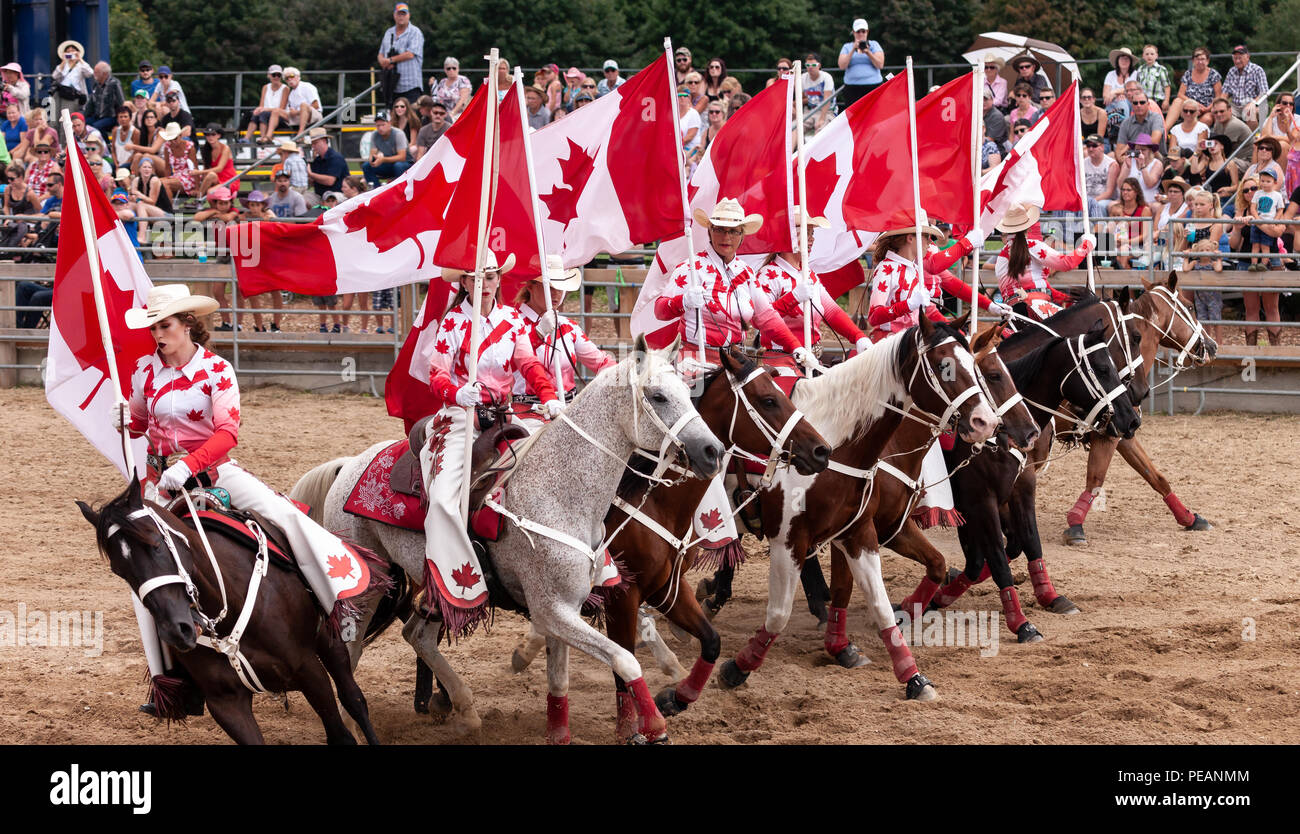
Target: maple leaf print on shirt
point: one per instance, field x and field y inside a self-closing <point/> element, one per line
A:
<point x="195" y="415"/>
<point x="562" y="203"/>
<point x="224" y="383"/>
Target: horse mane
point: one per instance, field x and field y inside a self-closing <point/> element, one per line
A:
<point x="850" y="396"/>
<point x="1083" y="302"/>
<point x="748" y="364"/>
<point x="1029" y="365"/>
<point x="115" y="511"/>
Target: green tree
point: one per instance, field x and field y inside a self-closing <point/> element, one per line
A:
<point x="130" y="34"/>
<point x="533" y="32"/>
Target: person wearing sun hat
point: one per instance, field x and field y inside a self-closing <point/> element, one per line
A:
<point x="726" y="299"/>
<point x="898" y="296"/>
<point x="506" y="352"/>
<point x="1030" y="71"/>
<point x="995" y="86"/>
<point x="71" y="76"/>
<point x="1022" y="266"/>
<point x="14" y="88"/>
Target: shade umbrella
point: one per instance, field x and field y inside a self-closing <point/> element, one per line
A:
<point x="1056" y="63"/>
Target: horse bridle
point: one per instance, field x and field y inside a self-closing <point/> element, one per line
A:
<point x="1177" y="311"/>
<point x="778" y="454"/>
<point x="1118" y="319"/>
<point x="938" y="424"/>
<point x="1103" y="409"/>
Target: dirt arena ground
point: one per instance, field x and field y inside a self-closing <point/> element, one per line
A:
<point x="1158" y="654"/>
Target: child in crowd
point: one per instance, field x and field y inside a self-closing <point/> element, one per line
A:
<point x="1266" y="204"/>
<point x="1209" y="303"/>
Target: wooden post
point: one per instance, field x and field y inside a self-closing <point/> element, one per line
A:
<point x="8" y="321"/>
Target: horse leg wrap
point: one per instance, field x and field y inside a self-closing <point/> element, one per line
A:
<point x="1079" y="511"/>
<point x="1044" y="591"/>
<point x="688" y="689"/>
<point x="626" y="726"/>
<point x="899" y="653"/>
<point x="1182" y="515"/>
<point x="651" y="723"/>
<point x="837" y="636"/>
<point x="557" y="719"/>
<point x="920" y="598"/>
<point x="751" y="657"/>
<point x="950" y="592"/>
<point x="1011" y="609"/>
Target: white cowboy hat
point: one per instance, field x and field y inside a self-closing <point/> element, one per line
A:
<point x="489" y="265"/>
<point x="902" y="222"/>
<point x="728" y="214"/>
<point x="70" y="43"/>
<point x="817" y="222"/>
<point x="994" y="59"/>
<point x="1018" y="218"/>
<point x="169" y="300"/>
<point x="171" y="131"/>
<point x="566" y="280"/>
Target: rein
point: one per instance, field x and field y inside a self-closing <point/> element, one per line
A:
<point x="1178" y="311"/>
<point x="1102" y="407"/>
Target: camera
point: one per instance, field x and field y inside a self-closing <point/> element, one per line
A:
<point x="864" y="46"/>
<point x="1132" y="154"/>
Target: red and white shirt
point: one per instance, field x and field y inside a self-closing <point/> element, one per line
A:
<point x="777" y="281"/>
<point x="1043" y="261"/>
<point x="573" y="344"/>
<point x="506" y="349"/>
<point x="731" y="301"/>
<point x="894" y="280"/>
<point x="193" y="408"/>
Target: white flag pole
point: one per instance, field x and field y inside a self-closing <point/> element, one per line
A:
<point x="976" y="143"/>
<point x="916" y="177"/>
<point x="803" y="200"/>
<point x="1083" y="190"/>
<point x="541" y="241"/>
<point x="480" y="260"/>
<point x="101" y="310"/>
<point x="687" y="226"/>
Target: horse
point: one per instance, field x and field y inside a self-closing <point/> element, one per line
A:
<point x="996" y="491"/>
<point x="548" y="567"/>
<point x="1162" y="320"/>
<point x="742" y="406"/>
<point x="927" y="369"/>
<point x="280" y="640"/>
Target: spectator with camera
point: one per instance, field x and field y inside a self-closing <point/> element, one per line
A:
<point x="1142" y="165"/>
<point x="1283" y="126"/>
<point x="401" y="51"/>
<point x="71" y="77"/>
<point x="14" y="88"/>
<point x="101" y="110"/>
<point x="861" y="59"/>
<point x="1212" y="168"/>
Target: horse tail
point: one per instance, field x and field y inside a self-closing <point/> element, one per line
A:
<point x="312" y="487"/>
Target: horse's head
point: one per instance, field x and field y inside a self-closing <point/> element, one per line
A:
<point x="1094" y="386"/>
<point x="944" y="382"/>
<point x="756" y="417"/>
<point x="662" y="415"/>
<point x="1017" y="422"/>
<point x="145" y="546"/>
<point x="1126" y="343"/>
<point x="1177" y="324"/>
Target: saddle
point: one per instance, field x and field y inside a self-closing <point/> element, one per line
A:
<point x="496" y="435"/>
<point x="230" y="523"/>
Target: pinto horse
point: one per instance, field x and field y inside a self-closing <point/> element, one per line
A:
<point x="996" y="491"/>
<point x="747" y="411"/>
<point x="286" y="641"/>
<point x="858" y="405"/>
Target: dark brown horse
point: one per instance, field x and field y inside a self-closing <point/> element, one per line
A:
<point x="745" y="409"/>
<point x="287" y="645"/>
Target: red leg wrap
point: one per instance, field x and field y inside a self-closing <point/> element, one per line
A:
<point x="1011" y="608"/>
<point x="837" y="636"/>
<point x="626" y="727"/>
<point x="899" y="653"/>
<point x="652" y="724"/>
<point x="557" y="719"/>
<point x="689" y="688"/>
<point x="751" y="657"/>
<point x="950" y="592"/>
<point x="1182" y="515"/>
<point x="985" y="573"/>
<point x="1079" y="511"/>
<point x="920" y="598"/>
<point x="1044" y="592"/>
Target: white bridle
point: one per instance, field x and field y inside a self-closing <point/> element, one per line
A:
<point x="778" y="454"/>
<point x="1178" y="310"/>
<point x="1103" y="407"/>
<point x="1119" y="331"/>
<point x="938" y="424"/>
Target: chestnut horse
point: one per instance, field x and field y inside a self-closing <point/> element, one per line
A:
<point x="287" y="644"/>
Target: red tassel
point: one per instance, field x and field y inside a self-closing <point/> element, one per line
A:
<point x="926" y="517"/>
<point x="1011" y="609"/>
<point x="557" y="719"/>
<point x="689" y="688"/>
<point x="899" y="653"/>
<point x="920" y="598"/>
<point x="652" y="724"/>
<point x="751" y="657"/>
<point x="1182" y="515"/>
<point x="837" y="637"/>
<point x="1044" y="591"/>
<point x="1079" y="511"/>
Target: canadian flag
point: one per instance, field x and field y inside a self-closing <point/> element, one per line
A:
<point x="382" y="238"/>
<point x="1042" y="169"/>
<point x="749" y="160"/>
<point x="608" y="176"/>
<point x="406" y="389"/>
<point x="77" y="381"/>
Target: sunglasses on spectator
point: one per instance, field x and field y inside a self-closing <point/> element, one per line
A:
<point x="713" y="112"/>
<point x="593" y="86"/>
<point x="1087" y="98"/>
<point x="1022" y="95"/>
<point x="682" y="59"/>
<point x="782" y="68"/>
<point x="1020" y="131"/>
<point x="1092" y="144"/>
<point x="1287" y="103"/>
<point x="1046" y="97"/>
<point x="1248" y="190"/>
<point x="1140" y="103"/>
<point x="715" y="66"/>
<point x="811" y="64"/>
<point x="610" y="69"/>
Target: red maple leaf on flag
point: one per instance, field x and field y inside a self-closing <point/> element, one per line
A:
<point x="820" y="180"/>
<point x="75" y="305"/>
<point x="340" y="567"/>
<point x="224" y="383"/>
<point x="195" y="415"/>
<point x="711" y="520"/>
<point x="465" y="576"/>
<point x="389" y="219"/>
<point x="562" y="204"/>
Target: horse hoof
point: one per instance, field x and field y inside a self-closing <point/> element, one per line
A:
<point x="1062" y="605"/>
<point x="1074" y="536"/>
<point x="953" y="573"/>
<point x="1199" y="524"/>
<point x="1028" y="634"/>
<point x="465" y="723"/>
<point x="852" y="658"/>
<point x="919" y="688"/>
<point x="730" y="676"/>
<point x="667" y="702"/>
<point x="820" y="612"/>
<point x="422" y="706"/>
<point x="518" y="662"/>
<point x="636" y="740"/>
